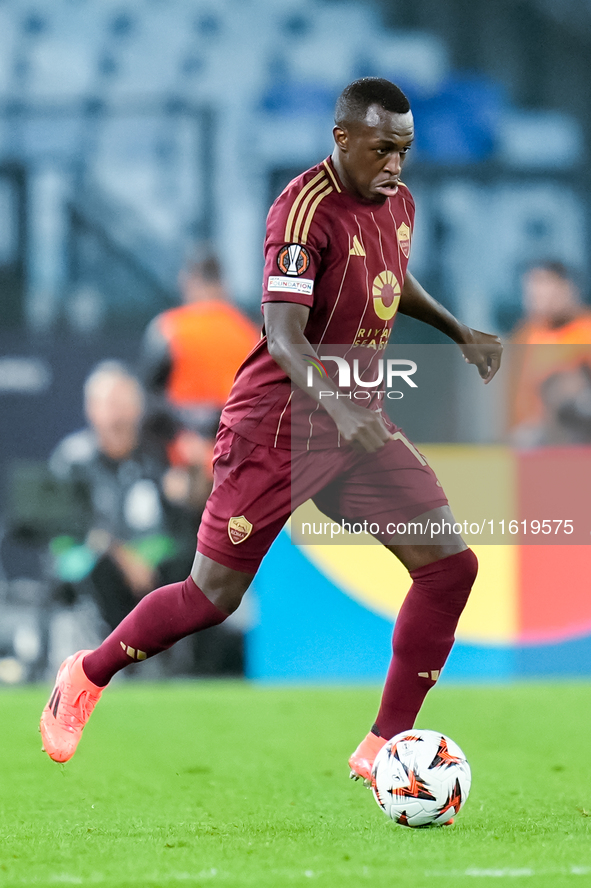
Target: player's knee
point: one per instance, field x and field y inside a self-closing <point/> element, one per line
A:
<point x="450" y="579"/>
<point x="226" y="600"/>
<point x="461" y="577"/>
<point x="459" y="573"/>
<point x="226" y="596"/>
<point x="223" y="586"/>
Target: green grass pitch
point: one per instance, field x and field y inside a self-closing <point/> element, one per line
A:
<point x="232" y="784"/>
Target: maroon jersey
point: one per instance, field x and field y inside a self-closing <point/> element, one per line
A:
<point x="345" y="259"/>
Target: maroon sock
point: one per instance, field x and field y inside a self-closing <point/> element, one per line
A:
<point x="423" y="638"/>
<point x="161" y="618"/>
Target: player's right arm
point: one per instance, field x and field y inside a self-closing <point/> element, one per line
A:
<point x="285" y="323"/>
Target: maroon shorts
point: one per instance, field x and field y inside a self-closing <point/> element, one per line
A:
<point x="256" y="488"/>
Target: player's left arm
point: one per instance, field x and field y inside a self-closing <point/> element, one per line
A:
<point x="482" y="349"/>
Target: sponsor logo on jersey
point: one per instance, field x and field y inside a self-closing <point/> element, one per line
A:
<point x="276" y="284"/>
<point x="386" y="295"/>
<point x="239" y="529"/>
<point x="373" y="337"/>
<point x="403" y="233"/>
<point x="356" y="249"/>
<point x="293" y="259"/>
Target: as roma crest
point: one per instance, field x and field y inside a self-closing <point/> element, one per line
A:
<point x="404" y="239"/>
<point x="239" y="529"/>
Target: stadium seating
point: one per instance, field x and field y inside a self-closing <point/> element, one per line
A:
<point x="179" y="115"/>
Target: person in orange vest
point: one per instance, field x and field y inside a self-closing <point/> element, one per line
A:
<point x="550" y="382"/>
<point x="190" y="355"/>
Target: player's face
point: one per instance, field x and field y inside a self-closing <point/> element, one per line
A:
<point x="369" y="156"/>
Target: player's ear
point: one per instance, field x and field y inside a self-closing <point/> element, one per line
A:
<point x="341" y="138"/>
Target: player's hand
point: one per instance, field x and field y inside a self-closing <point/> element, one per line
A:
<point x="484" y="350"/>
<point x="362" y="428"/>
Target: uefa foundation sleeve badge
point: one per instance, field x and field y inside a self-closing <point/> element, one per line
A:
<point x="239" y="529"/>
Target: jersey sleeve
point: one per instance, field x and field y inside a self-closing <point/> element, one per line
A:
<point x="294" y="244"/>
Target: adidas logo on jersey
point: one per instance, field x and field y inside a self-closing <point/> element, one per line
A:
<point x="356" y="249"/>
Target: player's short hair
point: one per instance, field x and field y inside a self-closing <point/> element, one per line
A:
<point x="357" y="97"/>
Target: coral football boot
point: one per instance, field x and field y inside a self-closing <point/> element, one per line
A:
<point x="68" y="709"/>
<point x="361" y="762"/>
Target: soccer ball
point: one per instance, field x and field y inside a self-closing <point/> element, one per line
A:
<point x="421" y="778"/>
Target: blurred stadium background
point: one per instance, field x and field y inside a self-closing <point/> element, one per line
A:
<point x="129" y="131"/>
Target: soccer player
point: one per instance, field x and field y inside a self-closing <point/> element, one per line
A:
<point x="336" y="251"/>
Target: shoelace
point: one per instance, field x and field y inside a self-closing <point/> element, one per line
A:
<point x="78" y="712"/>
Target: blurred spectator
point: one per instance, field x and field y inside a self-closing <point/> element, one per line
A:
<point x="134" y="535"/>
<point x="550" y="375"/>
<point x="190" y="356"/>
<point x="554" y="310"/>
<point x="566" y="396"/>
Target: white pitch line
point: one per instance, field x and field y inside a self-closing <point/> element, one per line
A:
<point x="98" y="878"/>
<point x="500" y="873"/>
<point x="524" y="872"/>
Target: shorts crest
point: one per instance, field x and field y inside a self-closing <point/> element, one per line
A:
<point x="239" y="529"/>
